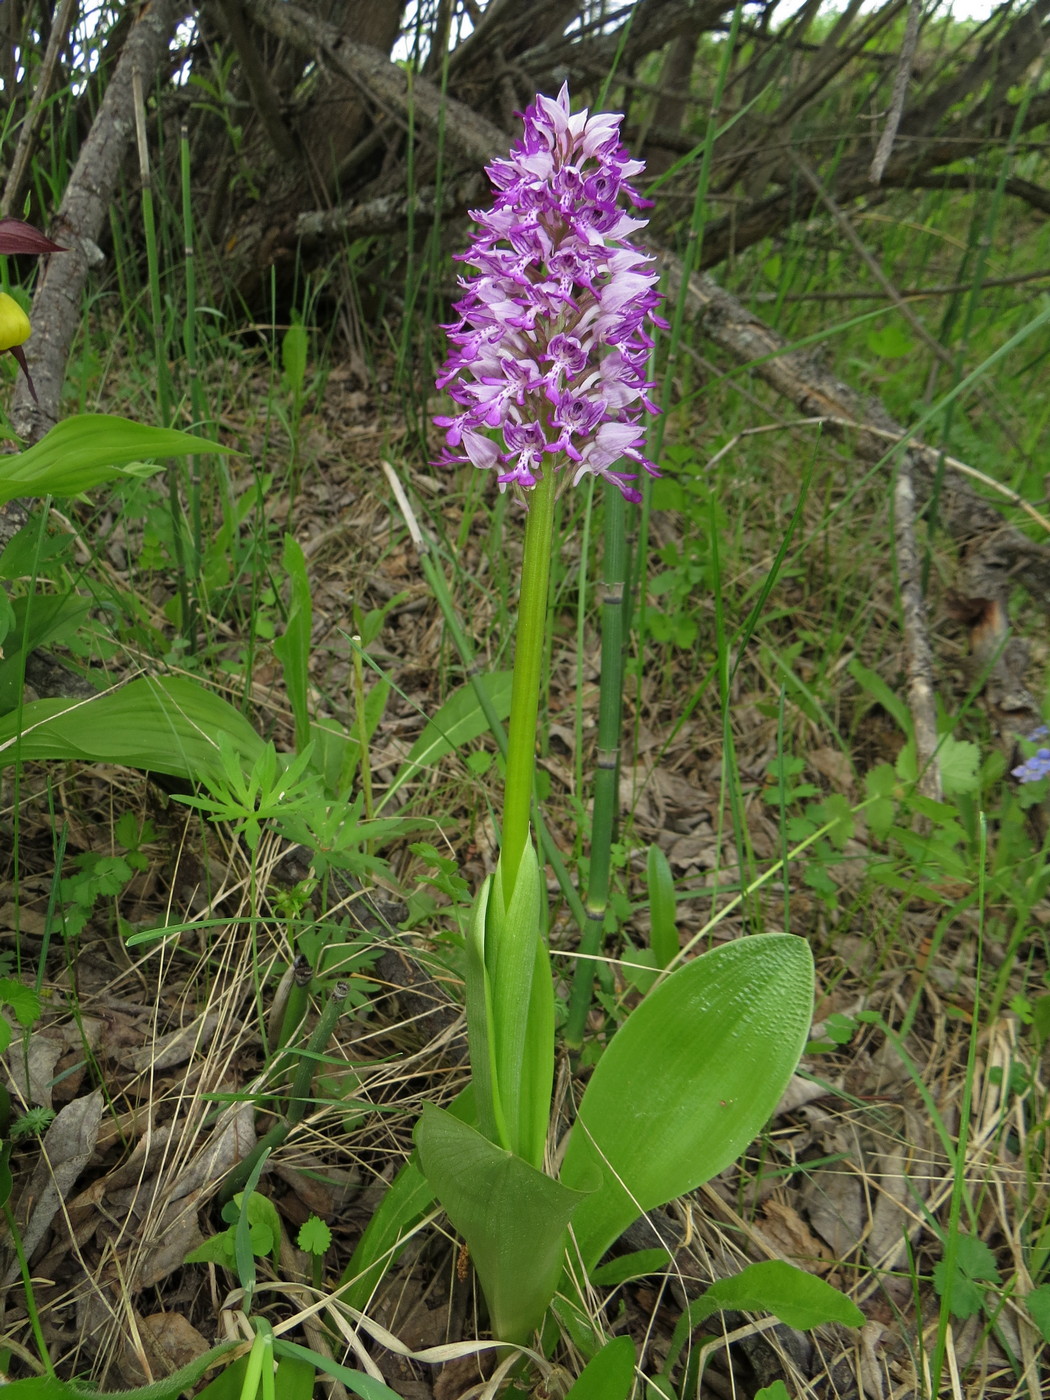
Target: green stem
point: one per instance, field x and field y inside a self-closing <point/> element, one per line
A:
<point x="528" y="673"/>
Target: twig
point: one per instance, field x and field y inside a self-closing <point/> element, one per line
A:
<point x="931" y="452"/>
<point x="900" y="89"/>
<point x="964" y="514"/>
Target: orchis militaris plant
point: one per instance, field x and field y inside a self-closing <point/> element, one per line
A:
<point x="19" y="237"/>
<point x="547" y="372"/>
<point x="548" y="369"/>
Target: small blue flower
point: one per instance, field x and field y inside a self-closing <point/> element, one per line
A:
<point x="1036" y="767"/>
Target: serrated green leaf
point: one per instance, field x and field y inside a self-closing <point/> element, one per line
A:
<point x="22" y="1000"/>
<point x="975" y="1258"/>
<point x="959" y="762"/>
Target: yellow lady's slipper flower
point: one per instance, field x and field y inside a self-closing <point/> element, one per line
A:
<point x="14" y="323"/>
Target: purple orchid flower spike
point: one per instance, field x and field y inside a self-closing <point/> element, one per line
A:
<point x="548" y="364"/>
<point x="16" y="236"/>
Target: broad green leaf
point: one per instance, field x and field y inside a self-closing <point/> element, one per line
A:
<point x="294" y="1379"/>
<point x="35" y="621"/>
<point x="688" y="1081"/>
<point x="459" y="720"/>
<point x="26" y="554"/>
<point x="164" y="724"/>
<point x="409" y="1196"/>
<point x="358" y="1381"/>
<point x="776" y="1391"/>
<point x="881" y="693"/>
<point x="512" y="1216"/>
<point x="510" y="1012"/>
<point x="1038" y="1304"/>
<point x="609" y="1375"/>
<point x="521" y="989"/>
<point x="89" y="449"/>
<point x="294" y="346"/>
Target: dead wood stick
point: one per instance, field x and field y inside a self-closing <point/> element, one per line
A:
<point x="27" y="136"/>
<point x="900" y="89"/>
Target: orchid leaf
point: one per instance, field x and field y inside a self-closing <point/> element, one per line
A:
<point x="688" y="1081"/>
<point x="51" y="1388"/>
<point x="799" y="1299"/>
<point x="512" y="1217"/>
<point x="409" y="1196"/>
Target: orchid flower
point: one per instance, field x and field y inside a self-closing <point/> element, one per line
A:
<point x="16" y="236"/>
<point x="549" y="351"/>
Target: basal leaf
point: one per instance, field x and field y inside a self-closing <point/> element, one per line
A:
<point x="512" y="1216"/>
<point x="609" y="1375"/>
<point x="688" y="1081"/>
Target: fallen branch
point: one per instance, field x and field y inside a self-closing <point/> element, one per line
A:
<point x="997" y="554"/>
